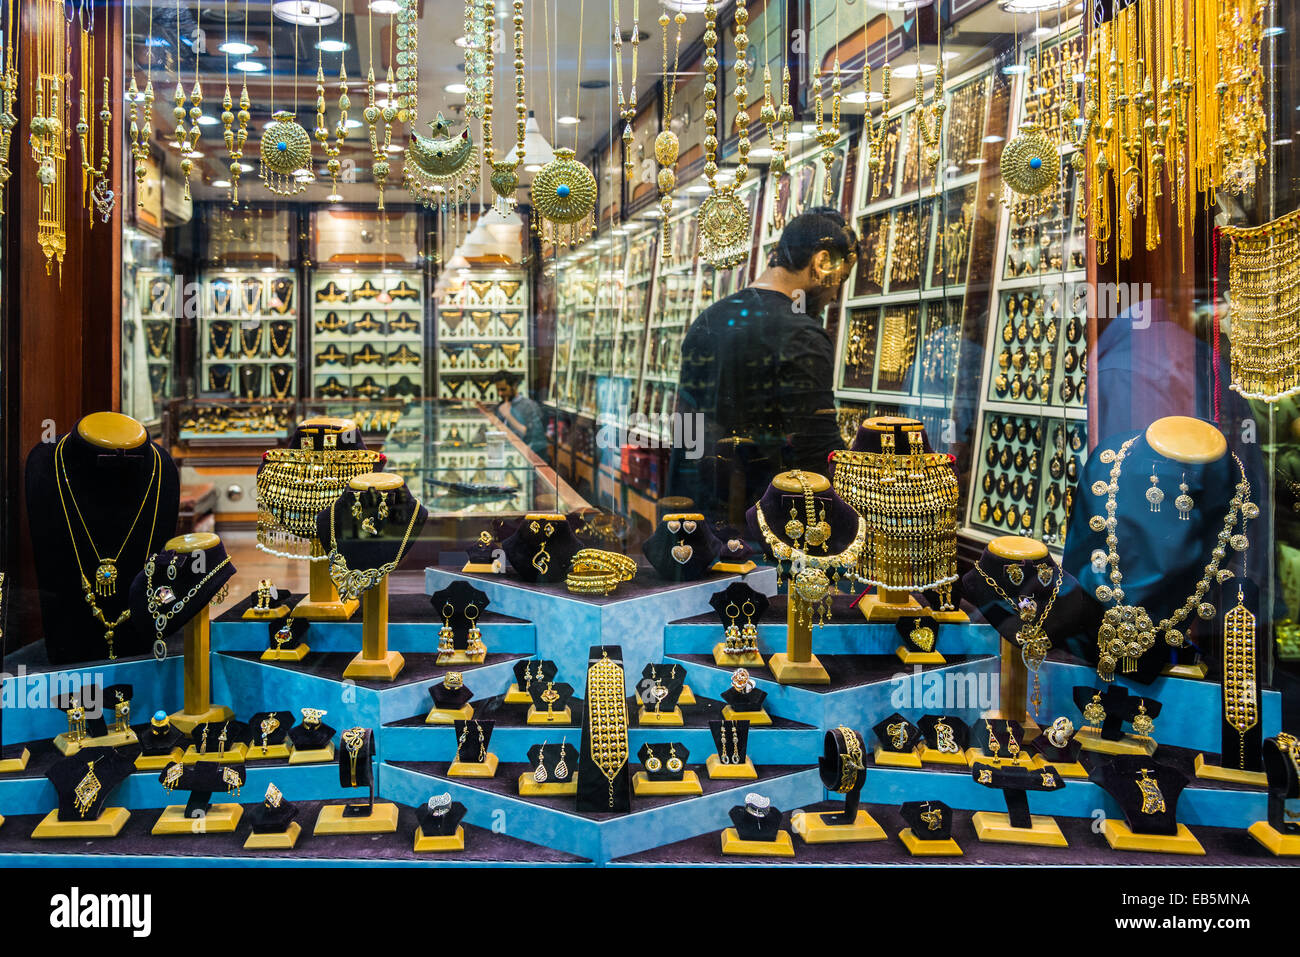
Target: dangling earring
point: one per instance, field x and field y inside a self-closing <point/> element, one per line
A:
<point x="383" y="507"/>
<point x="474" y="639"/>
<point x="539" y="775"/>
<point x="356" y="504"/>
<point x="1015" y="574"/>
<point x="1142" y="722"/>
<point x="731" y="635"/>
<point x="1094" y="713"/>
<point x="652" y="763"/>
<point x="561" y="766"/>
<point x="528" y="676"/>
<point x="1184" y="502"/>
<point x="748" y="634"/>
<point x="1045" y="571"/>
<point x="482" y="744"/>
<point x="173" y="567"/>
<point x="794" y="527"/>
<point x="735" y="744"/>
<point x="445" y="634"/>
<point x="1154" y="495"/>
<point x="722" y="744"/>
<point x="674" y="762"/>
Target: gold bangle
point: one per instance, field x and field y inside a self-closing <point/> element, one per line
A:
<point x="597" y="560"/>
<point x="591" y="583"/>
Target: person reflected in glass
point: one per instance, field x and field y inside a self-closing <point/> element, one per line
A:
<point x="522" y="414"/>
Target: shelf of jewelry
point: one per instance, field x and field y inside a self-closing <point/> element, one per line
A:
<point x="806" y="178"/>
<point x="574" y="275"/>
<point x="482" y="328"/>
<point x="1038" y="354"/>
<point x="251" y="360"/>
<point x="596" y="333"/>
<point x="900" y="329"/>
<point x="630" y="340"/>
<point x="153" y="311"/>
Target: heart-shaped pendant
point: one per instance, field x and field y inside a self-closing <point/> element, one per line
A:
<point x="734" y="545"/>
<point x="689" y="526"/>
<point x="682" y="553"/>
<point x="674" y="527"/>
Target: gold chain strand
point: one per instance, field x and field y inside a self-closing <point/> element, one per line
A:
<point x="725" y="219"/>
<point x="627" y="105"/>
<point x="187" y="136"/>
<point x="333" y="165"/>
<point x="667" y="146"/>
<point x="8" y="95"/>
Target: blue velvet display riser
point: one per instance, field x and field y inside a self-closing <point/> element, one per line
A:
<point x="851" y="635"/>
<point x="567" y="626"/>
<point x="599" y="840"/>
<point x="1214" y="807"/>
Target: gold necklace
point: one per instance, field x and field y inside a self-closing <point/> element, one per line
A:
<point x="725" y="220"/>
<point x="772" y="116"/>
<point x="9" y="92"/>
<point x="810" y="585"/>
<point x="187" y="137"/>
<point x="49" y="126"/>
<point x="505" y="172"/>
<point x="95" y="188"/>
<point x="667" y="146"/>
<point x="1240" y="703"/>
<point x="627" y="107"/>
<point x="1033" y="641"/>
<point x="1264" y="286"/>
<point x="352" y="583"/>
<point x="333" y="165"/>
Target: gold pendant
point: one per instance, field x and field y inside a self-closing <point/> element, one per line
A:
<point x="542" y="560"/>
<point x="87" y="790"/>
<point x="1153" y="802"/>
<point x="105" y="578"/>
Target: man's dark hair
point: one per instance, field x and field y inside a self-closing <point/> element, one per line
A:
<point x="510" y="378"/>
<point x="808" y="234"/>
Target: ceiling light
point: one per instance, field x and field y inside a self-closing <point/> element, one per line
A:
<point x="206" y="120"/>
<point x="308" y="13"/>
<point x="1031" y="6"/>
<point x="198" y="154"/>
<point x="245" y="168"/>
<point x="304" y="175"/>
<point x="1274" y="31"/>
<point x="533" y="168"/>
<point x="457" y="88"/>
<point x="905" y="5"/>
<point x="992" y="138"/>
<point x="353" y="123"/>
<point x="394" y="148"/>
<point x="568" y="120"/>
<point x="237" y="48"/>
<point x="686" y="6"/>
<point x="332" y="46"/>
<point x="334" y="198"/>
<point x="249" y="66"/>
<point x="698" y="188"/>
<point x="537" y="151"/>
<point x="384" y="6"/>
<point x="221" y="183"/>
<point x="908" y="71"/>
<point x="857" y="96"/>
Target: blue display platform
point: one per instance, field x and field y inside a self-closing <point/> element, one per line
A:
<point x="661" y="622"/>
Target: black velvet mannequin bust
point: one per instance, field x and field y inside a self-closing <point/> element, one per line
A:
<point x="737" y="594"/>
<point x="926" y="824"/>
<point x="108" y="486"/>
<point x="685" y="554"/>
<point x="1119" y="777"/>
<point x="776" y="505"/>
<point x="168" y="578"/>
<point x="359" y="548"/>
<point x="110" y="769"/>
<point x="540" y="556"/>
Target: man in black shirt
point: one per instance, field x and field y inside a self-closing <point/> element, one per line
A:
<point x="758" y="368"/>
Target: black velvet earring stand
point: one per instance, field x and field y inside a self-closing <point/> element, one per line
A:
<point x="658" y="694"/>
<point x="753" y="836"/>
<point x="1157" y="828"/>
<point x="919" y="641"/>
<point x="521" y="691"/>
<point x="730" y="760"/>
<point x="474" y="757"/>
<point x="1017" y="826"/>
<point x="594" y="789"/>
<point x="272" y="828"/>
<point x="1161" y="556"/>
<point x="557" y="778"/>
<point x="1279" y="833"/>
<point x="1240" y="758"/>
<point x="199" y="815"/>
<point x="663" y="780"/>
<point x="311" y="745"/>
<point x="449" y="704"/>
<point x="440" y="832"/>
<point x="458" y="598"/>
<point x="286" y="640"/>
<point x="929" y="830"/>
<point x="524" y="549"/>
<point x="235" y="750"/>
<point x="108" y="486"/>
<point x="897" y="740"/>
<point x="685" y="555"/>
<point x="110" y="769"/>
<point x="370" y="817"/>
<point x="482" y="556"/>
<point x="1121" y="708"/>
<point x="276" y="742"/>
<point x="842" y="773"/>
<point x="940" y="746"/>
<point x="738" y="596"/>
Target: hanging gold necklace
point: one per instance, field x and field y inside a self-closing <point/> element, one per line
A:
<point x="505" y="172"/>
<point x="875" y="133"/>
<point x="286" y="147"/>
<point x="1030" y="161"/>
<point x="929" y="119"/>
<point x="667" y="146"/>
<point x="141" y="111"/>
<point x="828" y="134"/>
<point x="95" y="190"/>
<point x="379" y="121"/>
<point x="187" y="137"/>
<point x="332" y="150"/>
<point x="236" y="137"/>
<point x="725" y="219"/>
<point x="564" y="191"/>
<point x="627" y="107"/>
<point x="8" y="96"/>
<point x="772" y="116"/>
<point x="441" y="170"/>
<point x="49" y="126"/>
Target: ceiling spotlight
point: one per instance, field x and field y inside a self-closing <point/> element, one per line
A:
<point x="249" y="66"/>
<point x="206" y="120"/>
<point x="332" y="46"/>
<point x="566" y="120"/>
<point x="383" y="7"/>
<point x="221" y="183"/>
<point x="307" y="13"/>
<point x="457" y="88"/>
<point x="193" y="154"/>
<point x="237" y="48"/>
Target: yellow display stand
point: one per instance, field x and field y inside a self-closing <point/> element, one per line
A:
<point x="1274" y="841"/>
<point x="782" y="846"/>
<point x="896" y="759"/>
<point x="199" y="708"/>
<point x="462" y="657"/>
<point x="12" y="765"/>
<point x="659" y="718"/>
<point x="515" y="696"/>
<point x="797" y="665"/>
<point x="687" y="697"/>
<point x="487" y="768"/>
<point x="734" y="568"/>
<point x="314" y="756"/>
<point x="112" y="430"/>
<point x="812" y="827"/>
<point x="110" y="822"/>
<point x="297" y="653"/>
<point x="642" y="786"/>
<point x="219" y="819"/>
<point x="723" y="659"/>
<point x="375" y="661"/>
<point x="919" y="848"/>
<point x="272" y="752"/>
<point x="717" y="771"/>
<point x="382" y="819"/>
<point x="156" y="762"/>
<point x="563" y="716"/>
<point x="438" y="715"/>
<point x="755" y="718"/>
<point x="1121" y="838"/>
<point x="236" y="753"/>
<point x="1090" y="739"/>
<point x="68" y="746"/>
<point x="529" y="786"/>
<point x="275" y="840"/>
<point x="1214" y="772"/>
<point x="909" y="657"/>
<point x="428" y="844"/>
<point x="995" y="827"/>
<point x="929" y="755"/>
<point x="322" y="602"/>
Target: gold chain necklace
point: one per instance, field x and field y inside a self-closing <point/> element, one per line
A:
<point x="351" y="583"/>
<point x="1034" y="642"/>
<point x="627" y="107"/>
<point x="667" y="145"/>
<point x="1127" y="631"/>
<point x="725" y="220"/>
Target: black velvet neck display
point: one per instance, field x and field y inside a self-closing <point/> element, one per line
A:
<point x="663" y="674"/>
<point x="897" y="734"/>
<point x="1121" y="707"/>
<point x="363" y="765"/>
<point x="869" y="440"/>
<point x="776" y="506"/>
<point x="473" y="740"/>
<point x="960" y="731"/>
<point x="685" y="555"/>
<point x="737" y="594"/>
<point x="450" y="605"/>
<point x="751" y="828"/>
<point x="731" y="738"/>
<point x="449" y="699"/>
<point x="937" y="828"/>
<point x="663" y="751"/>
<point x="362" y="550"/>
<point x="1283" y="785"/>
<point x="191" y="570"/>
<point x="561" y="688"/>
<point x="1119" y="777"/>
<point x="108" y="486"/>
<point x="538" y="557"/>
<point x="110" y="769"/>
<point x="1161" y="556"/>
<point x="1075" y="615"/>
<point x="440" y="825"/>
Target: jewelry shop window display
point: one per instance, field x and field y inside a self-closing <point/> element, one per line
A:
<point x="369" y="530"/>
<point x="357" y="760"/>
<point x="802" y="522"/>
<point x="100" y="500"/>
<point x="294" y="485"/>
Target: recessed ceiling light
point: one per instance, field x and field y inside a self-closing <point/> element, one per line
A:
<point x="309" y="13"/>
<point x="334" y="198"/>
<point x="249" y="66"/>
<point x="353" y="124"/>
<point x="221" y="183"/>
<point x="859" y="96"/>
<point x="384" y="6"/>
<point x="992" y="138"/>
<point x="332" y="46"/>
<point x="206" y="120"/>
<point x="1031" y="6"/>
<point x="457" y="88"/>
<point x="245" y="168"/>
<point x="565" y="120"/>
<point x="237" y="48"/>
<point x="533" y="168"/>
